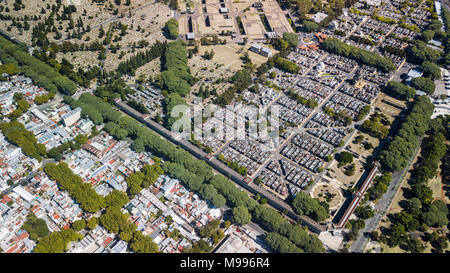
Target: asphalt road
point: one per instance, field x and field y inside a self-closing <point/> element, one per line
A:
<point x="381" y="207"/>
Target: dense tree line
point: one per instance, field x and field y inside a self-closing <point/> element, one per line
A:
<point x="241" y="80"/>
<point x="286" y="65"/>
<point x="171" y="28"/>
<point x="176" y="76"/>
<point x="16" y="134"/>
<point x="362" y="56"/>
<point x="424" y="84"/>
<point x="304" y="204"/>
<point x="194" y="173"/>
<point x="420" y="211"/>
<point x="402" y="147"/>
<point x="94" y="108"/>
<point x="446" y="19"/>
<point x="170" y="101"/>
<point x="399" y="90"/>
<point x="35" y="227"/>
<point x="82" y="193"/>
<point x="41" y="74"/>
<point x="129" y="66"/>
<point x="281" y="244"/>
<point x="233" y="165"/>
<point x="56" y="242"/>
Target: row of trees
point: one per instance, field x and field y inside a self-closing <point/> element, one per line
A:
<point x="420" y="211"/>
<point x="170" y="101"/>
<point x="196" y="172"/>
<point x="233" y="165"/>
<point x="241" y="80"/>
<point x="286" y="65"/>
<point x="446" y="17"/>
<point x="82" y="193"/>
<point x="134" y="62"/>
<point x="402" y="147"/>
<point x="399" y="90"/>
<point x="56" y="242"/>
<point x="334" y="45"/>
<point x="41" y="74"/>
<point x="304" y="204"/>
<point x="16" y="134"/>
<point x="171" y="28"/>
<point x="176" y="76"/>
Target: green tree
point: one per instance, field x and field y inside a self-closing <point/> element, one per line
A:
<point x="241" y="216"/>
<point x="79" y="225"/>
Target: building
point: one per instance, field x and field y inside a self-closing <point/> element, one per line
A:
<point x="318" y="17"/>
<point x="190" y="36"/>
<point x="271" y="35"/>
<point x="357" y="196"/>
<point x="71" y="117"/>
<point x="266" y="52"/>
<point x="413" y="73"/>
<point x="23" y="193"/>
<point x="333" y="25"/>
<point x="256" y="48"/>
<point x="257" y="5"/>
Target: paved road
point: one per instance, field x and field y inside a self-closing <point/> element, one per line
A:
<point x="381" y="207"/>
<point x="220" y="167"/>
<point x="25" y="181"/>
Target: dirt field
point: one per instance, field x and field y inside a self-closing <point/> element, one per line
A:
<point x="338" y="173"/>
<point x="387" y="109"/>
<point x="144" y="21"/>
<point x="152" y="68"/>
<point x="253" y="26"/>
<point x="277" y="20"/>
<point x="437" y="187"/>
<point x="320" y="190"/>
<point x="359" y="148"/>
